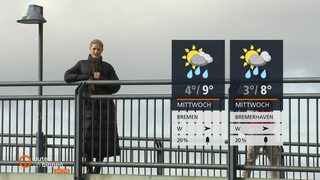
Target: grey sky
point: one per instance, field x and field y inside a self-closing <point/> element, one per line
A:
<point x="138" y="33"/>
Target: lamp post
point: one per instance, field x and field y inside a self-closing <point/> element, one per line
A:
<point x="34" y="15"/>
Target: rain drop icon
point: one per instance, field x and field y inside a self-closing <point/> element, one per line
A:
<point x="190" y="74"/>
<point x="207" y="140"/>
<point x="248" y="74"/>
<point x="263" y="75"/>
<point x="205" y="75"/>
<point x="265" y="140"/>
<point x="197" y="71"/>
<point x="256" y="71"/>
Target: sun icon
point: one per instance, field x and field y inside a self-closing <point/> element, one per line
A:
<point x="190" y="54"/>
<point x="248" y="54"/>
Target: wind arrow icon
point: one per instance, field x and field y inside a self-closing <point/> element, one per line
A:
<point x="264" y="128"/>
<point x="206" y="128"/>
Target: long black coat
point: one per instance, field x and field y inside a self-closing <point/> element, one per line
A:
<point x="99" y="115"/>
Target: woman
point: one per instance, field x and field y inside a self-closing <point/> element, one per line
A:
<point x="99" y="115"/>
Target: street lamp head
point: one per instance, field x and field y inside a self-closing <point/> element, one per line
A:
<point x="34" y="15"/>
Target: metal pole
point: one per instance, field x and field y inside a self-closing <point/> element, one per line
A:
<point x="40" y="138"/>
<point x="79" y="93"/>
<point x="233" y="150"/>
<point x="232" y="157"/>
<point x="160" y="158"/>
<point x="40" y="71"/>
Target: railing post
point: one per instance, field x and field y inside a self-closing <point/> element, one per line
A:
<point x="79" y="93"/>
<point x="160" y="158"/>
<point x="233" y="162"/>
<point x="232" y="157"/>
<point x="281" y="162"/>
<point x="233" y="150"/>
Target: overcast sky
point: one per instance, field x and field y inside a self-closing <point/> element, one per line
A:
<point x="137" y="33"/>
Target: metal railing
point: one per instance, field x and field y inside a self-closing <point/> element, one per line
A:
<point x="144" y="127"/>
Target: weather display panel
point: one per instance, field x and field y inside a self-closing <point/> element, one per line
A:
<point x="256" y="73"/>
<point x="197" y="93"/>
<point x="197" y="75"/>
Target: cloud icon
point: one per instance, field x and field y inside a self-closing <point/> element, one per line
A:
<point x="201" y="59"/>
<point x="256" y="60"/>
<point x="265" y="55"/>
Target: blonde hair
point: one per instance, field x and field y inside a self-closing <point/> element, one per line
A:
<point x="96" y="41"/>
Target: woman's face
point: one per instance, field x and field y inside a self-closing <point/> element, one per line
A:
<point x="95" y="50"/>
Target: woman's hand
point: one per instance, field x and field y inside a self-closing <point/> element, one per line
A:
<point x="96" y="75"/>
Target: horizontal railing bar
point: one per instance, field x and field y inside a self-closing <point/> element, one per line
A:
<point x="301" y="80"/>
<point x="72" y="136"/>
<point x="34" y="135"/>
<point x="130" y="96"/>
<point x="36" y="83"/>
<point x="62" y="83"/>
<point x="37" y="97"/>
<point x="16" y="163"/>
<point x="137" y="82"/>
<point x="133" y="96"/>
<point x="301" y="144"/>
<point x="169" y="96"/>
<point x="157" y="165"/>
<point x="149" y="149"/>
<point x="178" y="165"/>
<point x="280" y="168"/>
<point x="301" y="95"/>
<point x="165" y="149"/>
<point x="165" y="139"/>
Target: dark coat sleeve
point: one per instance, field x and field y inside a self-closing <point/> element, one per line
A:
<point x="74" y="74"/>
<point x="82" y="71"/>
<point x="108" y="73"/>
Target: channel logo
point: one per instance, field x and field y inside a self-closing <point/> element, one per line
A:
<point x="26" y="161"/>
